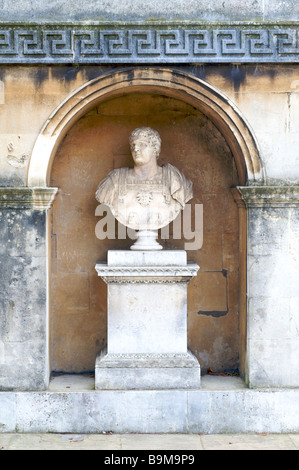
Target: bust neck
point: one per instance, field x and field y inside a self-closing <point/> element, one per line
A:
<point x="146" y="172"/>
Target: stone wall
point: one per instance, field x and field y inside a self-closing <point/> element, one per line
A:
<point x="180" y="10"/>
<point x="267" y="96"/>
<point x="249" y="259"/>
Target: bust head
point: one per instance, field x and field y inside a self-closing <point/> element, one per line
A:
<point x="145" y="137"/>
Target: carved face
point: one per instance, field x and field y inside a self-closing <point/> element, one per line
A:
<point x="142" y="152"/>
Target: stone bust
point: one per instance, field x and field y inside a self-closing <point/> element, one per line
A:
<point x="148" y="196"/>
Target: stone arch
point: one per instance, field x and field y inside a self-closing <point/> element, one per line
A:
<point x="173" y="84"/>
<point x="217" y="107"/>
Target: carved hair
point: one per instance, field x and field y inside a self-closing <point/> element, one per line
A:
<point x="149" y="135"/>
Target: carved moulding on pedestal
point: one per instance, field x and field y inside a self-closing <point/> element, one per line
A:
<point x="146" y="274"/>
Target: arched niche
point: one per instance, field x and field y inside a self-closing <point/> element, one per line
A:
<point x="235" y="132"/>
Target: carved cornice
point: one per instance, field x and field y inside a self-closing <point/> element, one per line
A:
<point x="27" y="198"/>
<point x="270" y="196"/>
<point x="146" y="274"/>
<point x="138" y="43"/>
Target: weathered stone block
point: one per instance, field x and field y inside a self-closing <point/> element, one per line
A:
<point x="24" y="361"/>
<point x="272" y="286"/>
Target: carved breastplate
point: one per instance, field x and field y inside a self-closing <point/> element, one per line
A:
<point x="145" y="204"/>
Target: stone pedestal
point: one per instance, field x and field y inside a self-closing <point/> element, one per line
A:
<point x="147" y="322"/>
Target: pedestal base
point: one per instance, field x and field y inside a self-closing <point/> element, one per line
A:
<point x="147" y="322"/>
<point x="146" y="371"/>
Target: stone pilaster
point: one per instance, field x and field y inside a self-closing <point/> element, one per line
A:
<point x="24" y="357"/>
<point x="272" y="285"/>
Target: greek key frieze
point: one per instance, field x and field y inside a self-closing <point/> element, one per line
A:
<point x="97" y="44"/>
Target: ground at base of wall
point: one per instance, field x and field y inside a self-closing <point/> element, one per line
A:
<point x="164" y="442"/>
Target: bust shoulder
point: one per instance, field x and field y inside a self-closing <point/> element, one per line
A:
<point x="106" y="189"/>
<point x="180" y="187"/>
